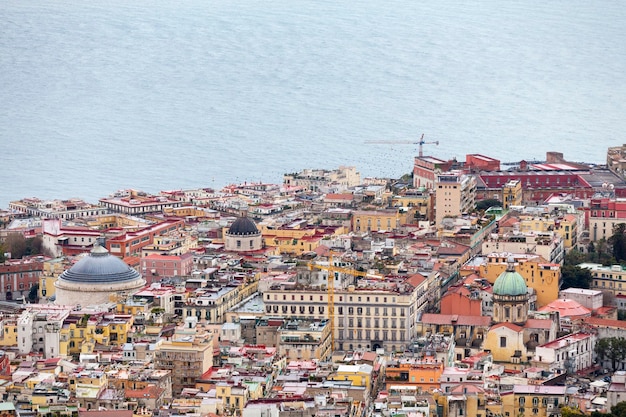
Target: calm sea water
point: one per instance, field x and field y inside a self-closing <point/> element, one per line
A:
<point x="101" y="95"/>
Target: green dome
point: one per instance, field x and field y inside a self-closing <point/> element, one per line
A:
<point x="510" y="282"/>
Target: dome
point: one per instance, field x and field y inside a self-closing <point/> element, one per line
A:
<point x="100" y="267"/>
<point x="243" y="226"/>
<point x="510" y="282"/>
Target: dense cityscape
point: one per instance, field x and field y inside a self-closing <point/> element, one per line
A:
<point x="465" y="288"/>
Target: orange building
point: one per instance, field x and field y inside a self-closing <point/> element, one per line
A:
<point x="424" y="374"/>
<point x="462" y="301"/>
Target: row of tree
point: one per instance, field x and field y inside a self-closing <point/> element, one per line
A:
<point x="17" y="246"/>
<point x="612" y="349"/>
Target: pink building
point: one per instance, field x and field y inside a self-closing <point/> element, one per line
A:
<point x="154" y="267"/>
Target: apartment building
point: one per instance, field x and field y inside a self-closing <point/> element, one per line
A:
<point x="381" y="220"/>
<point x="321" y="180"/>
<point x="137" y="203"/>
<point x="57" y="209"/>
<point x="455" y="194"/>
<point x="609" y="279"/>
<point x="188" y="354"/>
<point x="305" y="340"/>
<point x="17" y="276"/>
<point x="604" y="214"/>
<point x="370" y="315"/>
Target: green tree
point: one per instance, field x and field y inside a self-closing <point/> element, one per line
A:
<point x="575" y="277"/>
<point x="612" y="349"/>
<point x="571" y="412"/>
<point x="33" y="293"/>
<point x="485" y="204"/>
<point x="619" y="409"/>
<point x="618" y="242"/>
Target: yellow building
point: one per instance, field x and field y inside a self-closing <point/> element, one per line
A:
<point x="512" y="194"/>
<point x="109" y="221"/>
<point x="542" y="276"/>
<point x="505" y="341"/>
<point x="464" y="400"/>
<point x="87" y="330"/>
<point x="607" y="278"/>
<point x="297" y="241"/>
<point x="8" y="332"/>
<point x="234" y="397"/>
<point x="358" y="375"/>
<point x="305" y="340"/>
<point x="52" y="268"/>
<point x="377" y="220"/>
<point x="533" y="400"/>
<point x="419" y="200"/>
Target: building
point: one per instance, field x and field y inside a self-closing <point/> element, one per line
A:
<point x="604" y="214"/>
<point x="543" y="277"/>
<point x="319" y="180"/>
<point x="38" y="329"/>
<point x="17" y="276"/>
<point x="94" y="278"/>
<point x="571" y="353"/>
<point x="373" y="314"/>
<point x="380" y="220"/>
<point x="154" y="267"/>
<point x="548" y="245"/>
<point x="188" y="354"/>
<point x="137" y="203"/>
<point x="124" y="243"/>
<point x="455" y="194"/>
<point x="510" y="297"/>
<point x="425" y="169"/>
<point x="511" y="194"/>
<point x="608" y="279"/>
<point x="305" y="340"/>
<point x="57" y="209"/>
<point x="533" y="400"/>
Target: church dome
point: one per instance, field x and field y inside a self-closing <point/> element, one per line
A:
<point x="100" y="267"/>
<point x="243" y="226"/>
<point x="510" y="282"/>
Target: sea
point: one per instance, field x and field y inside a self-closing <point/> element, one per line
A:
<point x="97" y="96"/>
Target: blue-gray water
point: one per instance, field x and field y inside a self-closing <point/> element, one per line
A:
<point x="101" y="95"/>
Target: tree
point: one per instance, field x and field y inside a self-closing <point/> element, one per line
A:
<point x="618" y="242"/>
<point x="571" y="412"/>
<point x="575" y="277"/>
<point x="612" y="349"/>
<point x="15" y="244"/>
<point x="33" y="294"/>
<point x="488" y="203"/>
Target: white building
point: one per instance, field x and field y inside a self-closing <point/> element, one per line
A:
<point x="570" y="353"/>
<point x="592" y="299"/>
<point x="38" y="329"/>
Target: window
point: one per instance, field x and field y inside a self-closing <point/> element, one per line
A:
<point x="503" y="344"/>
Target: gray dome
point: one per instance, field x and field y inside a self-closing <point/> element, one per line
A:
<point x="100" y="267"/>
<point x="243" y="226"/>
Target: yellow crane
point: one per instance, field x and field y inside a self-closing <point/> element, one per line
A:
<point x="333" y="272"/>
<point x="421" y="142"/>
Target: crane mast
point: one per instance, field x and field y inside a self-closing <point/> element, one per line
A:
<point x="421" y="142"/>
<point x="333" y="273"/>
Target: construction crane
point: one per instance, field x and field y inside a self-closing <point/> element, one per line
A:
<point x="421" y="142"/>
<point x="333" y="273"/>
